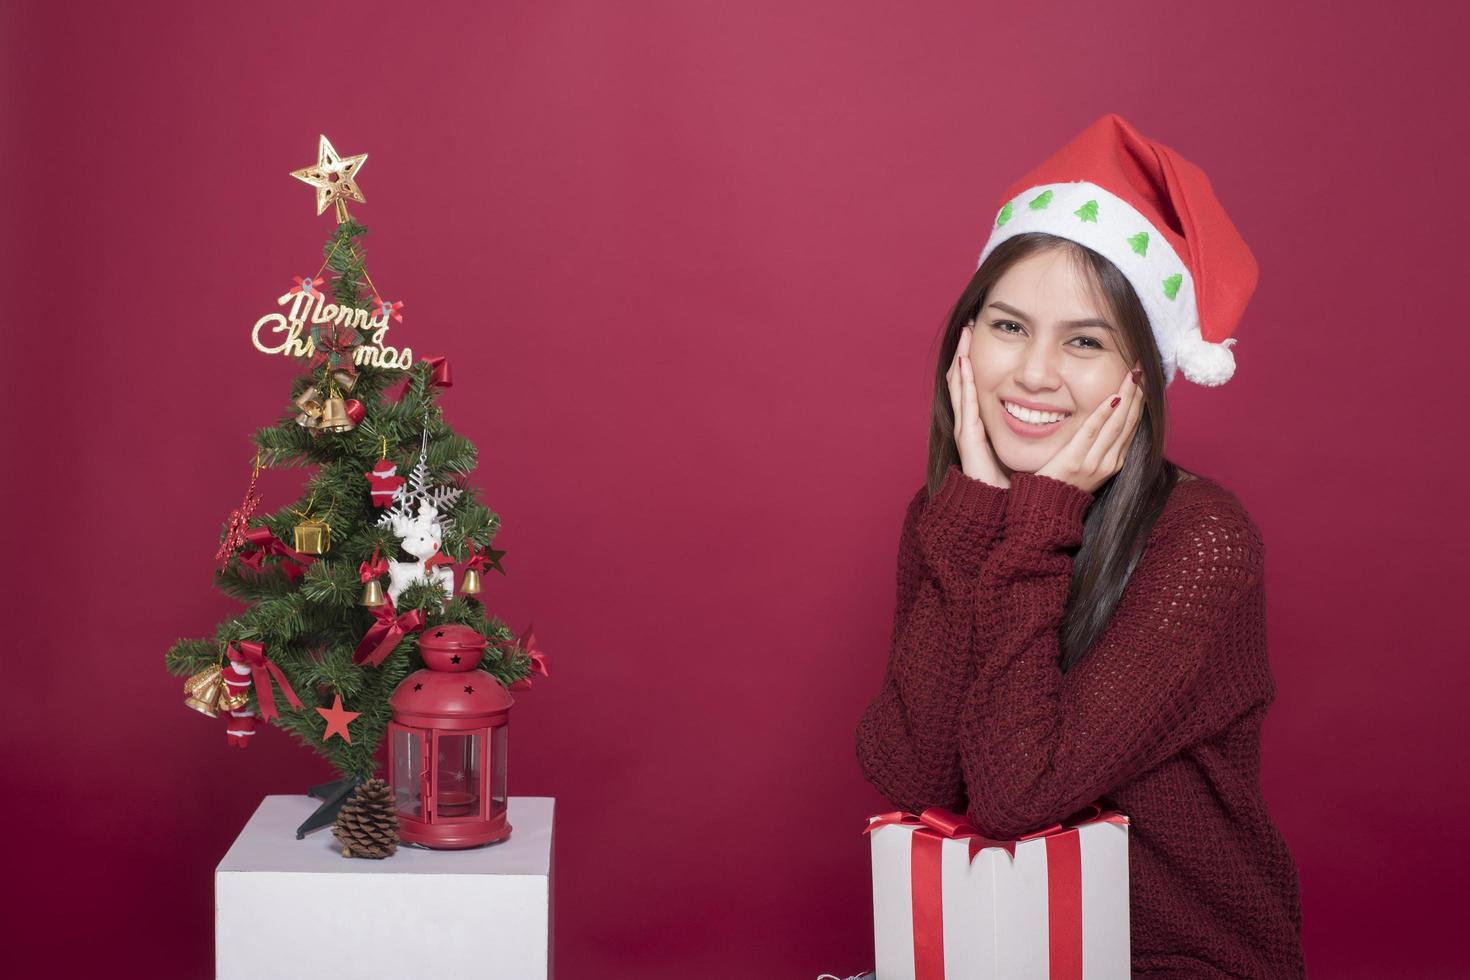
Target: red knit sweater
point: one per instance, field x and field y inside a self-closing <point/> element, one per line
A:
<point x="1161" y="719"/>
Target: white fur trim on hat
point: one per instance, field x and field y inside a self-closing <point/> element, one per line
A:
<point x="1089" y="215"/>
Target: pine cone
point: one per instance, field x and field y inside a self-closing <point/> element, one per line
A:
<point x="367" y="824"/>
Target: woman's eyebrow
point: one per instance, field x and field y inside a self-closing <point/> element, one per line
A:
<point x="1090" y="322"/>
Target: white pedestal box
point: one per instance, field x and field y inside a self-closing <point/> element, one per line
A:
<point x="287" y="908"/>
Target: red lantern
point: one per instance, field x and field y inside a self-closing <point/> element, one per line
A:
<point x="447" y="744"/>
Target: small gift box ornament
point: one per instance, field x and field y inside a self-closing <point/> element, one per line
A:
<point x="951" y="904"/>
<point x="313" y="536"/>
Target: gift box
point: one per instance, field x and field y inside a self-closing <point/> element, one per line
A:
<point x="951" y="904"/>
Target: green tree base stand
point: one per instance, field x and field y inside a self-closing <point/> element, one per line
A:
<point x="332" y="795"/>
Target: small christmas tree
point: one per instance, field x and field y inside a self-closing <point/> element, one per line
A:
<point x="303" y="635"/>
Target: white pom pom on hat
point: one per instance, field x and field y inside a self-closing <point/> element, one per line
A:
<point x="1155" y="216"/>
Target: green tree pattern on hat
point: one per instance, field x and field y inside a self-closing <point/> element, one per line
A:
<point x="1171" y="285"/>
<point x="1040" y="201"/>
<point x="1004" y="216"/>
<point x="1088" y="211"/>
<point x="1139" y="242"/>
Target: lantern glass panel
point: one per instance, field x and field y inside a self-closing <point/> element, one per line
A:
<point x="459" y="770"/>
<point x="408" y="766"/>
<point x="497" y="768"/>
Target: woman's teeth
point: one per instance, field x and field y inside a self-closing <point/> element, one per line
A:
<point x="1034" y="417"/>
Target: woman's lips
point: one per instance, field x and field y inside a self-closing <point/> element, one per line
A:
<point x="1027" y="430"/>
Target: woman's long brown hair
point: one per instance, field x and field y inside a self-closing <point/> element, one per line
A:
<point x="1125" y="508"/>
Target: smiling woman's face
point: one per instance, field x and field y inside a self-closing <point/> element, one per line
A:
<point x="1032" y="345"/>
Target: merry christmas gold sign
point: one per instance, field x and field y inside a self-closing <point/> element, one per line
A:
<point x="309" y="308"/>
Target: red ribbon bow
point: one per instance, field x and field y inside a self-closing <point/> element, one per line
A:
<point x="1063" y="870"/>
<point x="375" y="567"/>
<point x="435" y="560"/>
<point x="476" y="561"/>
<point x="334" y="342"/>
<point x="540" y="663"/>
<point x="305" y="284"/>
<point x="439" y="375"/>
<point x="385" y="634"/>
<point x="262" y="669"/>
<point x="260" y="542"/>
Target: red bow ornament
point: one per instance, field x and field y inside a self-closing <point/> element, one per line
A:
<point x="540" y="663"/>
<point x="476" y="562"/>
<point x="334" y="342"/>
<point x="385" y="634"/>
<point x="261" y="543"/>
<point x="482" y="559"/>
<point x="376" y="567"/>
<point x="384" y="309"/>
<point x="305" y="285"/>
<point x="262" y="669"/>
<point x="439" y="375"/>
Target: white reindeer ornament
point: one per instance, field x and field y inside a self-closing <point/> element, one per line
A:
<point x="420" y="536"/>
<point x="417" y="519"/>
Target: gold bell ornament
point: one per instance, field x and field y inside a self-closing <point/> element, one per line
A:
<point x="203" y="691"/>
<point x="369" y="571"/>
<point x="471" y="583"/>
<point x="310" y="403"/>
<point x="334" y="416"/>
<point x="230" y="699"/>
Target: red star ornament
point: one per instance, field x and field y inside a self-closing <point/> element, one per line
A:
<point x="337" y="720"/>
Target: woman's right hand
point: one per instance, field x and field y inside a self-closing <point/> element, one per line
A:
<point x="977" y="457"/>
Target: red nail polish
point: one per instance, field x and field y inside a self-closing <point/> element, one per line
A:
<point x="1114" y="402"/>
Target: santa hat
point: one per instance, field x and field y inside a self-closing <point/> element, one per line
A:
<point x="1154" y="215"/>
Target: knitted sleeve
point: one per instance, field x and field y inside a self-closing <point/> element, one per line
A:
<point x="907" y="738"/>
<point x="1038" y="745"/>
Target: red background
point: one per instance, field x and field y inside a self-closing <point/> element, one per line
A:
<point x="689" y="261"/>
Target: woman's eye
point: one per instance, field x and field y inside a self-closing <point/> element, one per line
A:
<point x="1087" y="342"/>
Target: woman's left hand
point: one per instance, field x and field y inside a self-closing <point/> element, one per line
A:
<point x="1095" y="453"/>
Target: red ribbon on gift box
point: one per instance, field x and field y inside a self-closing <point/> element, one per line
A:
<point x="385" y="634"/>
<point x="262" y="669"/>
<point x="1063" y="871"/>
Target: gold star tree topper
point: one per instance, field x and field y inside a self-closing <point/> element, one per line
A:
<point x="333" y="179"/>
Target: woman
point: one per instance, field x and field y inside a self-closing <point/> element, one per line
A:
<point x="1078" y="619"/>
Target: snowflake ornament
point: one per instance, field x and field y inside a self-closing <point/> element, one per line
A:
<point x="417" y="519"/>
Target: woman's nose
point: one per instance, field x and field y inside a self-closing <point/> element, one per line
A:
<point x="1038" y="366"/>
